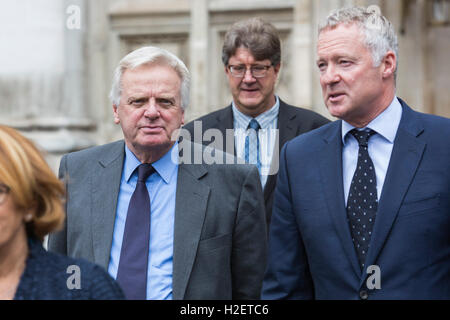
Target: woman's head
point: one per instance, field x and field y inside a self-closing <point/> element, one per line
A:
<point x="28" y="185"/>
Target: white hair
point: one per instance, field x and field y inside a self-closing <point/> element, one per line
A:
<point x="379" y="34"/>
<point x="151" y="55"/>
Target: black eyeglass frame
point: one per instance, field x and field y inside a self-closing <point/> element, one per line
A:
<point x="251" y="68"/>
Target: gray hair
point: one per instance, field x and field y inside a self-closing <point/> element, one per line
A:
<point x="258" y="36"/>
<point x="151" y="55"/>
<point x="379" y="34"/>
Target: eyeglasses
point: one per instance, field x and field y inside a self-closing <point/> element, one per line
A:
<point x="4" y="190"/>
<point x="257" y="71"/>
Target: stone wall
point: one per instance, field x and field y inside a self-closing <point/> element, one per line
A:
<point x="55" y="78"/>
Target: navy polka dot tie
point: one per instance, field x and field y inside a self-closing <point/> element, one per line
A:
<point x="362" y="200"/>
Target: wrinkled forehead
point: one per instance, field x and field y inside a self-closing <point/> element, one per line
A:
<point x="151" y="79"/>
<point x="152" y="73"/>
<point x="142" y="69"/>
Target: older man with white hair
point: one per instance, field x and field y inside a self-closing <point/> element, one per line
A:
<point x="362" y="205"/>
<point x="163" y="229"/>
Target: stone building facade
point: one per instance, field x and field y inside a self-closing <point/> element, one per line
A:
<point x="58" y="57"/>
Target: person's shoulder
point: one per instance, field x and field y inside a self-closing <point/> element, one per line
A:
<point x="312" y="141"/>
<point x="436" y="133"/>
<point x="433" y="124"/>
<point x="81" y="161"/>
<point x="97" y="150"/>
<point x="53" y="276"/>
<point x="82" y="279"/>
<point x="215" y="114"/>
<point x="208" y="118"/>
<point x="303" y="113"/>
<point x="434" y="121"/>
<point x="214" y="161"/>
<point x="199" y="154"/>
<point x="317" y="134"/>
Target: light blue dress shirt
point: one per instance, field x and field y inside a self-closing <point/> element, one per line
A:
<point x="162" y="187"/>
<point x="379" y="146"/>
<point x="267" y="135"/>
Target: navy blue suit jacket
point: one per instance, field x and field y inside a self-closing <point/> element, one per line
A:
<point x="311" y="252"/>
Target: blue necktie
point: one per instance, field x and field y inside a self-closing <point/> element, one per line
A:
<point x="252" y="144"/>
<point x="133" y="263"/>
<point x="362" y="200"/>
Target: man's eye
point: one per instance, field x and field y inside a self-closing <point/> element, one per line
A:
<point x="258" y="68"/>
<point x="344" y="62"/>
<point x="137" y="102"/>
<point x="321" y="65"/>
<point x="165" y="102"/>
<point x="239" y="68"/>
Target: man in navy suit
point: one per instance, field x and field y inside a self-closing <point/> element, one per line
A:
<point x="362" y="205"/>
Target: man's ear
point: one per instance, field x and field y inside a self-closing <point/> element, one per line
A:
<point x="277" y="68"/>
<point x="116" y="114"/>
<point x="389" y="64"/>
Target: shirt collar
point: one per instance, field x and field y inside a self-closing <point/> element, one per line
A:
<point x="264" y="119"/>
<point x="165" y="167"/>
<point x="385" y="124"/>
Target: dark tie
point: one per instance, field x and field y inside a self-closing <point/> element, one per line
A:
<point x="252" y="144"/>
<point x="362" y="200"/>
<point x="132" y="271"/>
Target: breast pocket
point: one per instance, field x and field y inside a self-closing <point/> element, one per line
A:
<point x="215" y="243"/>
<point x="417" y="207"/>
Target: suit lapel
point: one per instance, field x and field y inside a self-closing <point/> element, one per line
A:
<point x="190" y="209"/>
<point x="286" y="124"/>
<point x="405" y="159"/>
<point x="225" y="121"/>
<point x="330" y="159"/>
<point x="105" y="184"/>
<point x="287" y="130"/>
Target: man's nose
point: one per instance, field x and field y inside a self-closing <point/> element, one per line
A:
<point x="151" y="109"/>
<point x="248" y="76"/>
<point x="330" y="75"/>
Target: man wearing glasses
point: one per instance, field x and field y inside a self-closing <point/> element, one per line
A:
<point x="260" y="121"/>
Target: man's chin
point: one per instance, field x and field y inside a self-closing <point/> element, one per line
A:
<point x="336" y="110"/>
<point x="250" y="104"/>
<point x="154" y="143"/>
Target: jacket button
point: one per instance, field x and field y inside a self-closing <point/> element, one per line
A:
<point x="363" y="295"/>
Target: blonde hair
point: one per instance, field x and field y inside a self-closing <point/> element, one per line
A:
<point x="33" y="185"/>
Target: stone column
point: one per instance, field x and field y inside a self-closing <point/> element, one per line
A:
<point x="198" y="57"/>
<point x="70" y="127"/>
<point x="42" y="85"/>
<point x="412" y="83"/>
<point x="302" y="53"/>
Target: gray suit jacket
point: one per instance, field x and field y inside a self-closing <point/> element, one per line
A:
<point x="220" y="232"/>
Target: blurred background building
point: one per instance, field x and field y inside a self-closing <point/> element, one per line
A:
<point x="57" y="57"/>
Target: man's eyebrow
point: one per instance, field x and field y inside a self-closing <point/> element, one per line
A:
<point x="166" y="96"/>
<point x="337" y="57"/>
<point x="132" y="98"/>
